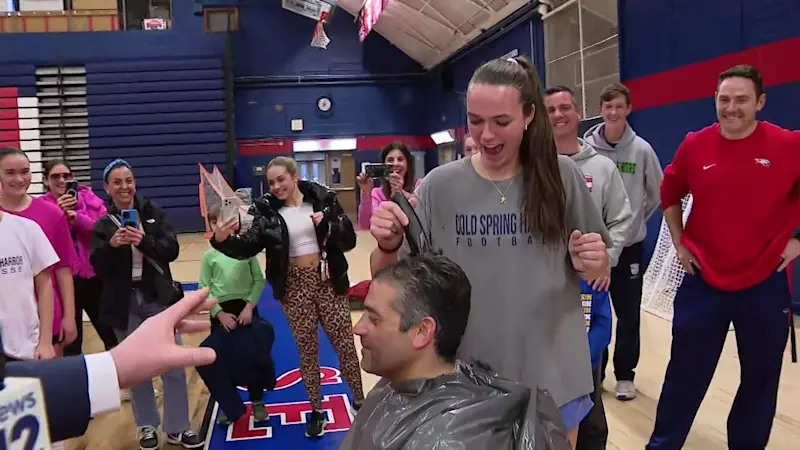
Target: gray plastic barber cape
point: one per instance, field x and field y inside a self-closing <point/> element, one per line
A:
<point x="470" y="409"/>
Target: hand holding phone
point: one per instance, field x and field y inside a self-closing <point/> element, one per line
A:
<point x="230" y="209"/>
<point x="71" y="187"/>
<point x="129" y="218"/>
<point x="119" y="238"/>
<point x="379" y="170"/>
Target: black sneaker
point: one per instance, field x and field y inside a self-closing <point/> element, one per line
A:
<point x="188" y="439"/>
<point x="260" y="414"/>
<point x="148" y="438"/>
<point x="316" y="424"/>
<point x="223" y="420"/>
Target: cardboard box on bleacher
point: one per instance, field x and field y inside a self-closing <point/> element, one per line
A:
<point x="88" y="5"/>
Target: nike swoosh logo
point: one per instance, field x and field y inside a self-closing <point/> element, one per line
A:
<point x="708" y="166"/>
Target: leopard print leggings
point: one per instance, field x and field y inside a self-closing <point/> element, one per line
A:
<point x="309" y="301"/>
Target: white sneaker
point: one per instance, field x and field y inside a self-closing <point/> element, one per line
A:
<point x="626" y="390"/>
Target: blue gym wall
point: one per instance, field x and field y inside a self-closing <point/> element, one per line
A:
<point x="671" y="52"/>
<point x="187" y="38"/>
<point x="279" y="77"/>
<point x="376" y="90"/>
<point x="155" y="98"/>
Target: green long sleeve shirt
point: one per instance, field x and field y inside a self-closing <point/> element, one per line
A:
<point x="231" y="279"/>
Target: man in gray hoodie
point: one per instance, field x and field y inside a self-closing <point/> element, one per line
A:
<point x="608" y="192"/>
<point x="641" y="172"/>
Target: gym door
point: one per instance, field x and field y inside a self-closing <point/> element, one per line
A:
<point x="340" y="168"/>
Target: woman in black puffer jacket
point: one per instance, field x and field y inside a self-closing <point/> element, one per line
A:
<point x="305" y="233"/>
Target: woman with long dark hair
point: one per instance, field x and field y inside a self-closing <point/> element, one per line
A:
<point x="520" y="221"/>
<point x="305" y="233"/>
<point x="82" y="209"/>
<point x="132" y="260"/>
<point x="401" y="179"/>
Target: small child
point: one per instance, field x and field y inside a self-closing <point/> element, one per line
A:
<point x="236" y="285"/>
<point x="593" y="429"/>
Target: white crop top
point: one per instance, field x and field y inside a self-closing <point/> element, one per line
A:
<point x="302" y="233"/>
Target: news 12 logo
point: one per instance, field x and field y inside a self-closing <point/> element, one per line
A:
<point x="335" y="407"/>
<point x="23" y="419"/>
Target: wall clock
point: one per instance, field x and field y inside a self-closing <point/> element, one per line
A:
<point x="324" y="104"/>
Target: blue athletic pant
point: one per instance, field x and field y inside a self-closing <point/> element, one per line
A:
<point x="700" y="325"/>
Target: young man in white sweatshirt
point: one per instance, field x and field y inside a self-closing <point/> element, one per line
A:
<point x="642" y="174"/>
<point x="608" y="192"/>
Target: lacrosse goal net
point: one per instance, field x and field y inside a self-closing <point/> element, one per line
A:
<point x="664" y="274"/>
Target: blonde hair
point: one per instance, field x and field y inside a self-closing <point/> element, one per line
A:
<point x="286" y="162"/>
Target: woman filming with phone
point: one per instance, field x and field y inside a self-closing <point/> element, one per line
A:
<point x="400" y="179"/>
<point x="82" y="209"/>
<point x="305" y="234"/>
<point x="132" y="248"/>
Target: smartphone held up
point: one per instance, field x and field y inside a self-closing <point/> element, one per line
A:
<point x="71" y="188"/>
<point x="379" y="171"/>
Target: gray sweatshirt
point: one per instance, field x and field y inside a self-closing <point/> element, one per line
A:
<point x="641" y="172"/>
<point x="608" y="192"/>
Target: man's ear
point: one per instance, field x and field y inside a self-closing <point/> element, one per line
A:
<point x="761" y="101"/>
<point x="426" y="332"/>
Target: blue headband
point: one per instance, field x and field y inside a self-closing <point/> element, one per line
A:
<point x="113" y="165"/>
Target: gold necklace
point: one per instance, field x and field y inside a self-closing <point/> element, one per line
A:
<point x="503" y="197"/>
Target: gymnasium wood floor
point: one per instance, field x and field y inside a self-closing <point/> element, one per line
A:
<point x="630" y="423"/>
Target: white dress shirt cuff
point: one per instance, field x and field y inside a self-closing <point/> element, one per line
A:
<point x="103" y="383"/>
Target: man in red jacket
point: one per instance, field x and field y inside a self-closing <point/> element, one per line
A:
<point x="735" y="263"/>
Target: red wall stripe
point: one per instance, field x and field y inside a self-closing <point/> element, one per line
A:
<point x="8" y="113"/>
<point x="777" y="61"/>
<point x="284" y="146"/>
<point x="9" y="124"/>
<point x="9" y="136"/>
<point x="413" y="142"/>
<point x="9" y="92"/>
<point x="253" y="147"/>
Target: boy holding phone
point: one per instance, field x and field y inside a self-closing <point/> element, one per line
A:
<point x="237" y="286"/>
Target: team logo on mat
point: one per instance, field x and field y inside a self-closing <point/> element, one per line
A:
<point x="292" y="413"/>
<point x="287" y="405"/>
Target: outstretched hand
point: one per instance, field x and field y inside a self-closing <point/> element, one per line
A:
<point x="151" y="349"/>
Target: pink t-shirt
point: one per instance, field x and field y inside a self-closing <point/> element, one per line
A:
<point x="55" y="226"/>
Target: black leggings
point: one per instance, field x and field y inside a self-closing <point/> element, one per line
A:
<point x="87" y="298"/>
<point x="235" y="307"/>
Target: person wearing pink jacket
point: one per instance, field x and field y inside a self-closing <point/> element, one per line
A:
<point x="82" y="210"/>
<point x="402" y="179"/>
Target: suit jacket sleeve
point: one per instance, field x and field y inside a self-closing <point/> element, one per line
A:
<point x="66" y="393"/>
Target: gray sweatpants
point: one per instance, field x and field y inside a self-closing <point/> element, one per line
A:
<point x="143" y="399"/>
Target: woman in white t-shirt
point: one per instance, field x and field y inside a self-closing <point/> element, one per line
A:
<point x="25" y="256"/>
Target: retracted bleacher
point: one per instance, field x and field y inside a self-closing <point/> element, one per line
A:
<point x="163" y="117"/>
<point x="19" y="116"/>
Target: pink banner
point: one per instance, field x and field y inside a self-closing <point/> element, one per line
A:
<point x="369" y="15"/>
